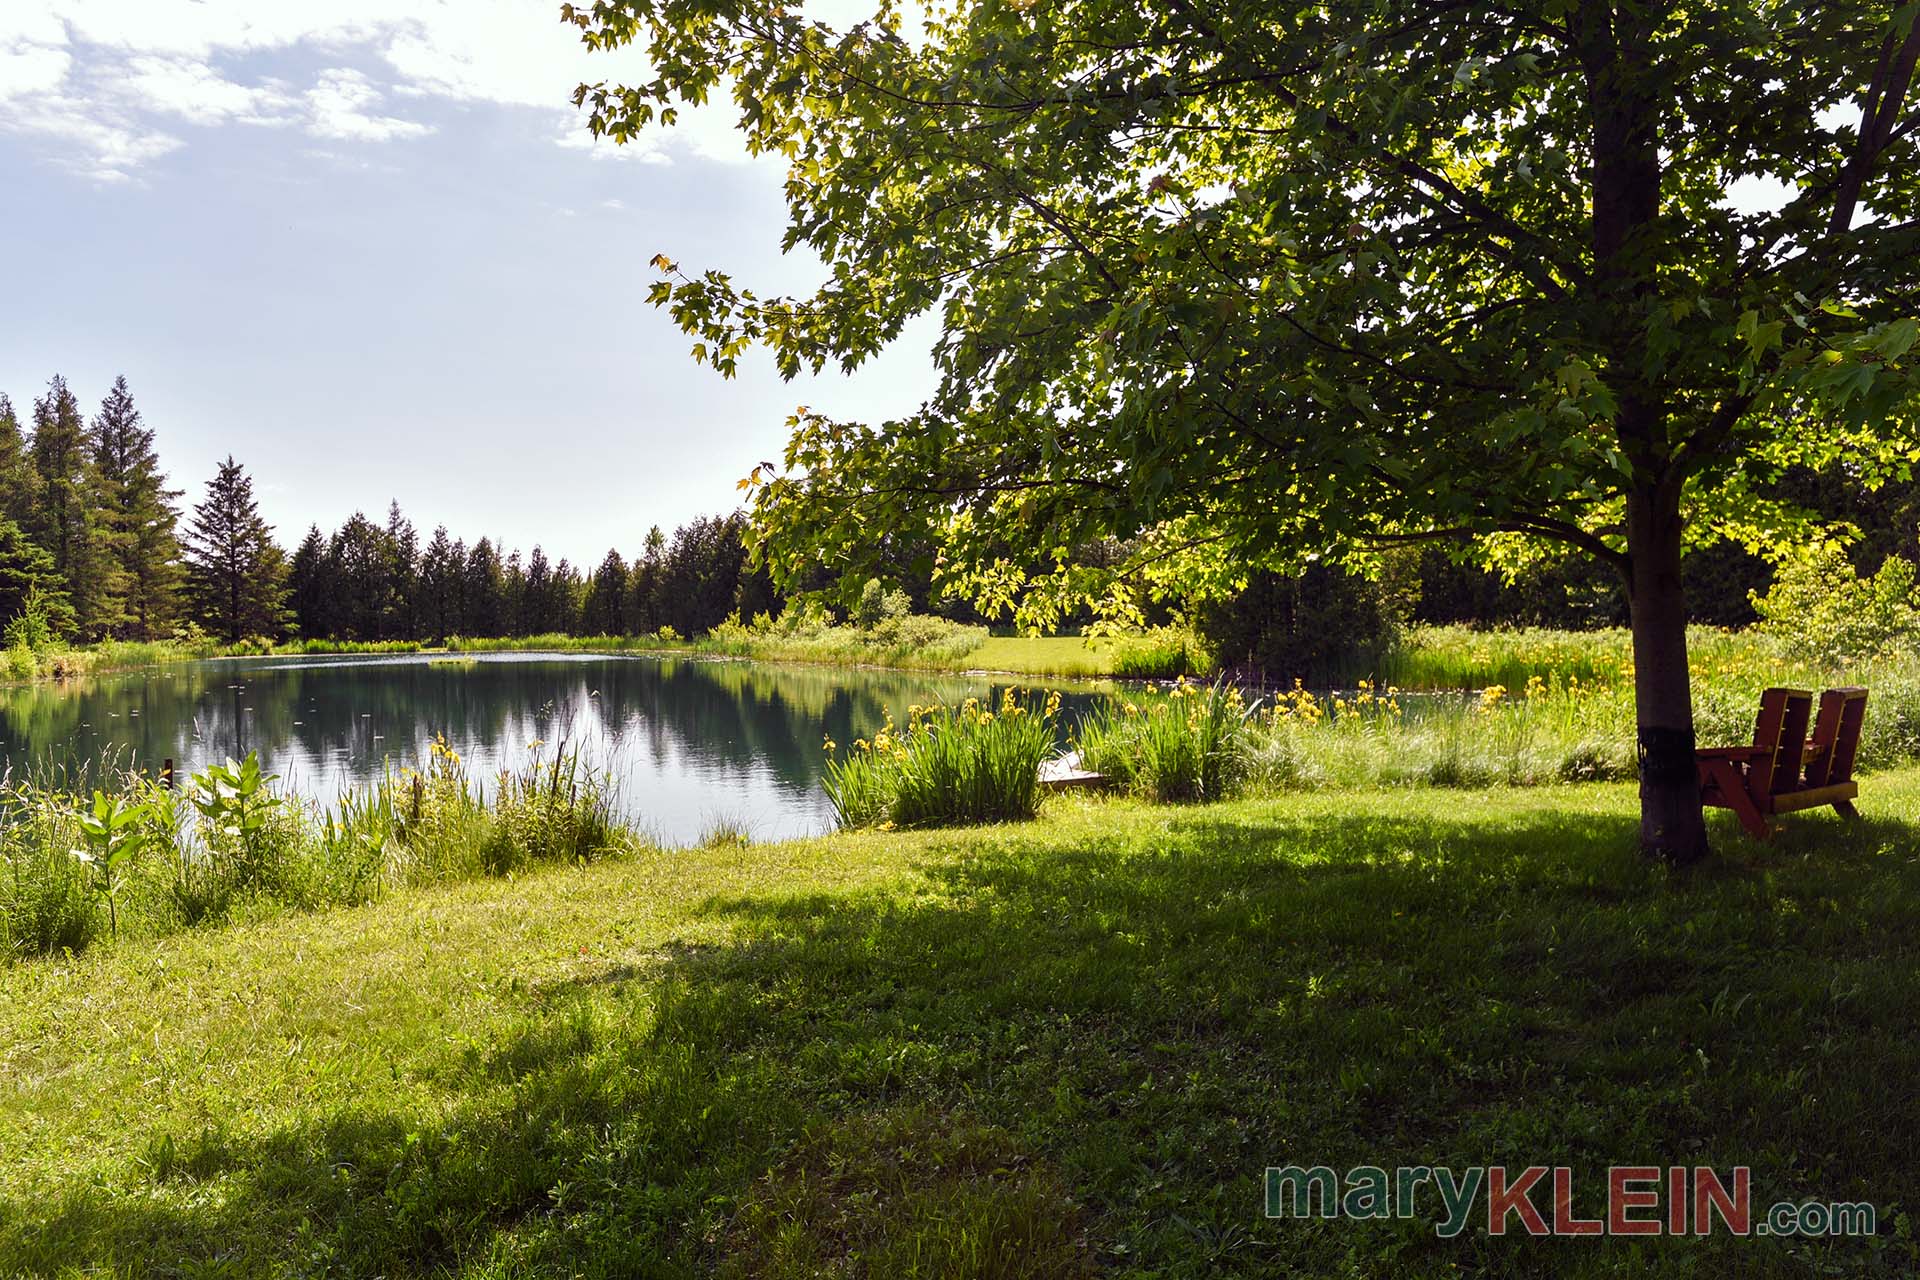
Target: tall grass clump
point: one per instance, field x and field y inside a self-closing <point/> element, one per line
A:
<point x="1164" y="653"/>
<point x="557" y="810"/>
<point x="1187" y="744"/>
<point x="262" y="647"/>
<point x="948" y="766"/>
<point x="881" y="634"/>
<point x="142" y="856"/>
<point x="46" y="905"/>
<point x="1550" y="731"/>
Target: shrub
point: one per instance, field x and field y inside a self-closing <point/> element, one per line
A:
<point x="33" y="627"/>
<point x="1188" y="744"/>
<point x="949" y="766"/>
<point x="879" y="603"/>
<point x="21" y="663"/>
<point x="1820" y="610"/>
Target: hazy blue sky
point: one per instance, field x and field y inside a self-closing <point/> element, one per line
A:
<point x="374" y="257"/>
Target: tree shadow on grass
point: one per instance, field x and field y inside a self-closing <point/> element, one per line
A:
<point x="1071" y="1053"/>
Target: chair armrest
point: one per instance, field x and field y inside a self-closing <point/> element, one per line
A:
<point x="1732" y="753"/>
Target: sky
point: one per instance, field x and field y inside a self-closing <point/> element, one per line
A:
<point x="368" y="248"/>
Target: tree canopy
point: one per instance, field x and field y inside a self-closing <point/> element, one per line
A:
<point x="1253" y="283"/>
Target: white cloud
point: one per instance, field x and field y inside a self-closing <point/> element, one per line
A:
<point x="194" y="91"/>
<point x="340" y="105"/>
<point x="27" y="69"/>
<point x="116" y="78"/>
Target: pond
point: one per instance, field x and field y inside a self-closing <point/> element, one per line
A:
<point x="686" y="741"/>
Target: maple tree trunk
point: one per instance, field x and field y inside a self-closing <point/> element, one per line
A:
<point x="1672" y="826"/>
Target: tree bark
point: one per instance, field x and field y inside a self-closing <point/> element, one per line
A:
<point x="1672" y="826"/>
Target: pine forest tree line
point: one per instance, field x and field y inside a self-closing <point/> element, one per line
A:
<point x="379" y="580"/>
<point x="91" y="527"/>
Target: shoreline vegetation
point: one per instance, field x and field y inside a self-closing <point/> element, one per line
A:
<point x="1061" y="657"/>
<point x="1569" y="721"/>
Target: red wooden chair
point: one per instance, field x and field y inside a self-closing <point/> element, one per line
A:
<point x="1785" y="771"/>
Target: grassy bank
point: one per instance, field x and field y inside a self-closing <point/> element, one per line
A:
<point x="1054" y="1049"/>
<point x="21" y="665"/>
<point x="944" y="649"/>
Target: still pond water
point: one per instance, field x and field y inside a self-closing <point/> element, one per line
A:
<point x="687" y="741"/>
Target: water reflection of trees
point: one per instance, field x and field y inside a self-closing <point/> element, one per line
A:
<point x="327" y="723"/>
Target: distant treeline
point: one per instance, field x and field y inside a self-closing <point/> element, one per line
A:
<point x="371" y="581"/>
<point x="93" y="546"/>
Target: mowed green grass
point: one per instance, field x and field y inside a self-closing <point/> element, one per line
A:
<point x="1065" y="1048"/>
<point x="1043" y="656"/>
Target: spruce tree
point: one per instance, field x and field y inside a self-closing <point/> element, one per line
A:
<point x="311" y="588"/>
<point x="18" y="484"/>
<point x="361" y="561"/>
<point x="644" y="615"/>
<point x="536" y="600"/>
<point x="136" y="518"/>
<point x="236" y="575"/>
<point x="62" y="516"/>
<point x="457" y="623"/>
<point x="513" y="596"/>
<point x="605" y="611"/>
<point x="24" y="565"/>
<point x="565" y="594"/>
<point x="403" y="571"/>
<point x="484" y="611"/>
<point x="439" y="586"/>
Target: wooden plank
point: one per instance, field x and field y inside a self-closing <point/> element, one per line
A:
<point x="1846" y="745"/>
<point x="1793" y="745"/>
<point x="1766" y="735"/>
<point x="1811" y="797"/>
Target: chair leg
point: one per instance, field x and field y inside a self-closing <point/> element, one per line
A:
<point x="1732" y="787"/>
<point x="1845" y="809"/>
<point x="1752" y="819"/>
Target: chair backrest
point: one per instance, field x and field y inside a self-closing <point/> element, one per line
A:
<point x="1836" y="735"/>
<point x="1793" y="741"/>
<point x="1779" y="729"/>
<point x="1766" y="735"/>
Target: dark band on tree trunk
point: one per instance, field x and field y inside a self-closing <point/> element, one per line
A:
<point x="1666" y="756"/>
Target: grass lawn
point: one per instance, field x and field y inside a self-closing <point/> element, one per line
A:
<point x="1043" y="656"/>
<point x="1061" y="1049"/>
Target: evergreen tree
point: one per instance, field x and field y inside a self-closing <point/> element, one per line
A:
<point x="564" y="598"/>
<point x="605" y="610"/>
<point x="360" y="559"/>
<point x="457" y="616"/>
<point x="61" y="516"/>
<point x="439" y="587"/>
<point x="700" y="577"/>
<point x="136" y="517"/>
<point x="311" y="588"/>
<point x="403" y="572"/>
<point x="18" y="483"/>
<point x="643" y="608"/>
<point x="484" y="610"/>
<point x="513" y="596"/>
<point x="236" y="575"/>
<point x="536" y="599"/>
<point x="24" y="565"/>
